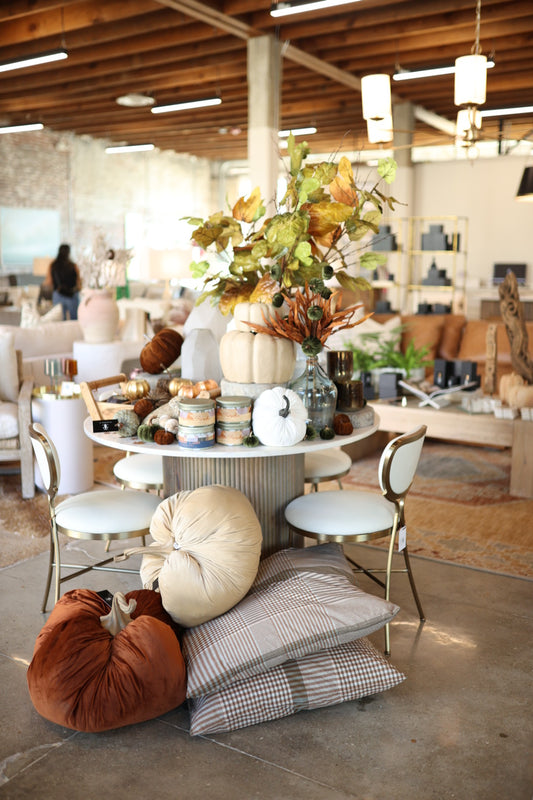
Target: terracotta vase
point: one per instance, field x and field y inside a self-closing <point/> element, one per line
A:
<point x="98" y="315"/>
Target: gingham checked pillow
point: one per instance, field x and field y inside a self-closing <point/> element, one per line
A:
<point x="303" y="600"/>
<point x="355" y="669"/>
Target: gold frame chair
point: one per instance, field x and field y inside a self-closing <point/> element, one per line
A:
<point x="337" y="461"/>
<point x="329" y="517"/>
<point x="127" y="505"/>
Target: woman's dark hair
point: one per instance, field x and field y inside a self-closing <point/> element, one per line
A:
<point x="63" y="254"/>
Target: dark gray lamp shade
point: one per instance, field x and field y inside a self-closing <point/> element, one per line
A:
<point x="525" y="190"/>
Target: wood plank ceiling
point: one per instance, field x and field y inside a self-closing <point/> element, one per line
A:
<point x="178" y="50"/>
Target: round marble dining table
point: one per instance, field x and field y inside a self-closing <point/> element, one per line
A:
<point x="269" y="476"/>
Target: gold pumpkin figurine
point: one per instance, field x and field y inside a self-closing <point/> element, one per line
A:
<point x="135" y="390"/>
<point x="176" y="383"/>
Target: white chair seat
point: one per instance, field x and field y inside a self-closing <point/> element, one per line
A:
<point x="140" y="471"/>
<point x="106" y="512"/>
<point x="326" y="465"/>
<point x="337" y="513"/>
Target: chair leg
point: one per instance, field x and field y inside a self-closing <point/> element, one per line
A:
<point x="49" y="576"/>
<point x="387" y="578"/>
<point x="413" y="585"/>
<point x="54" y="561"/>
<point x="57" y="559"/>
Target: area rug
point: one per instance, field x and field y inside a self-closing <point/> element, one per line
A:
<point x="459" y="508"/>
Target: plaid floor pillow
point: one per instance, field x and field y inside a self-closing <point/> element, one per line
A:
<point x="303" y="600"/>
<point x="349" y="671"/>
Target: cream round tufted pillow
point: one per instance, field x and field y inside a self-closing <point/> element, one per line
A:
<point x="206" y="552"/>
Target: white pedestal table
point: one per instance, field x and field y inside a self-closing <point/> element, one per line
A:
<point x="270" y="477"/>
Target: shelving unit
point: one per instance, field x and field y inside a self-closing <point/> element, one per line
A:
<point x="452" y="259"/>
<point x="385" y="289"/>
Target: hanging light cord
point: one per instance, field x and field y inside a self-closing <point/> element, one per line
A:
<point x="476" y="47"/>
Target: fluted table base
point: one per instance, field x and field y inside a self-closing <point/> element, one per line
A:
<point x="269" y="483"/>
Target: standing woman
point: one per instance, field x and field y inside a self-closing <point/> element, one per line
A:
<point x="64" y="277"/>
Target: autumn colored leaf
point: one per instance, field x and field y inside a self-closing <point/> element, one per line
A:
<point x="265" y="290"/>
<point x="325" y="217"/>
<point x="343" y="188"/>
<point x="246" y="210"/>
<point x="232" y="295"/>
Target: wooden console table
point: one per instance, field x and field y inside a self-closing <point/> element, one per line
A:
<point x="454" y="424"/>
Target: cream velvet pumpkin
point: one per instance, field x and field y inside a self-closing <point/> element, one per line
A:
<point x="279" y="417"/>
<point x="205" y="554"/>
<point x="252" y="312"/>
<point x="247" y="357"/>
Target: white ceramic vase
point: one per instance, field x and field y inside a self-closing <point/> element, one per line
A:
<point x="98" y="315"/>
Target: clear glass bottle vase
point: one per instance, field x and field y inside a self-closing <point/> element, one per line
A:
<point x="318" y="393"/>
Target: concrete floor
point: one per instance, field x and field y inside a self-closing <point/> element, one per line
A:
<point x="459" y="727"/>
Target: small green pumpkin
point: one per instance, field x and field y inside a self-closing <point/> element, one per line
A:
<point x="128" y="422"/>
<point x="146" y="432"/>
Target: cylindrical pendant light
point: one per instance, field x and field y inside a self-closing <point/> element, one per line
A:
<point x="376" y="96"/>
<point x="379" y="130"/>
<point x="470" y="80"/>
<point x="468" y="121"/>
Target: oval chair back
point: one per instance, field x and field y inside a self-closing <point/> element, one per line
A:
<point x="398" y="463"/>
<point x="47" y="459"/>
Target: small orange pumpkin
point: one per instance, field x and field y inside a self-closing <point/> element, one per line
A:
<point x="161" y="351"/>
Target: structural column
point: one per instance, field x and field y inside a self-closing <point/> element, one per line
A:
<point x="403" y="186"/>
<point x="264" y="82"/>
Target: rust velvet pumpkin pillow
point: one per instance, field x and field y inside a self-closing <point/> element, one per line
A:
<point x="161" y="351"/>
<point x="92" y="674"/>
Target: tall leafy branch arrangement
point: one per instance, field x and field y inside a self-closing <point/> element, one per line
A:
<point x="309" y="241"/>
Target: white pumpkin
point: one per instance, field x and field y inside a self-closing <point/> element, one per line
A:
<point x="252" y="312"/>
<point x="247" y="357"/>
<point x="279" y="418"/>
<point x="507" y="384"/>
<point x="520" y="396"/>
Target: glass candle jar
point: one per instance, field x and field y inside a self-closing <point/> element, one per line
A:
<point x="232" y="409"/>
<point x="196" y="412"/>
<point x="196" y="437"/>
<point x="232" y="435"/>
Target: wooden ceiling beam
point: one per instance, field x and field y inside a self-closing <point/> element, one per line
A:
<point x="461" y="39"/>
<point x="60" y="20"/>
<point x="166" y="59"/>
<point x="415" y="18"/>
<point x="13" y="9"/>
<point x="207" y="76"/>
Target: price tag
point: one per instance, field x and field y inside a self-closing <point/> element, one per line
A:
<point x="402" y="538"/>
<point x="105" y="425"/>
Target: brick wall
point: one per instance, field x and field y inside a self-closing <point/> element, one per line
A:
<point x="94" y="191"/>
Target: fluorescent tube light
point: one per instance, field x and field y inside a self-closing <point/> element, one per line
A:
<point x="35" y="126"/>
<point x="505" y="112"/>
<point x="297" y="132"/>
<point x="285" y="9"/>
<point x="209" y="101"/>
<point x="31" y="61"/>
<point x="430" y="72"/>
<point x="129" y="148"/>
